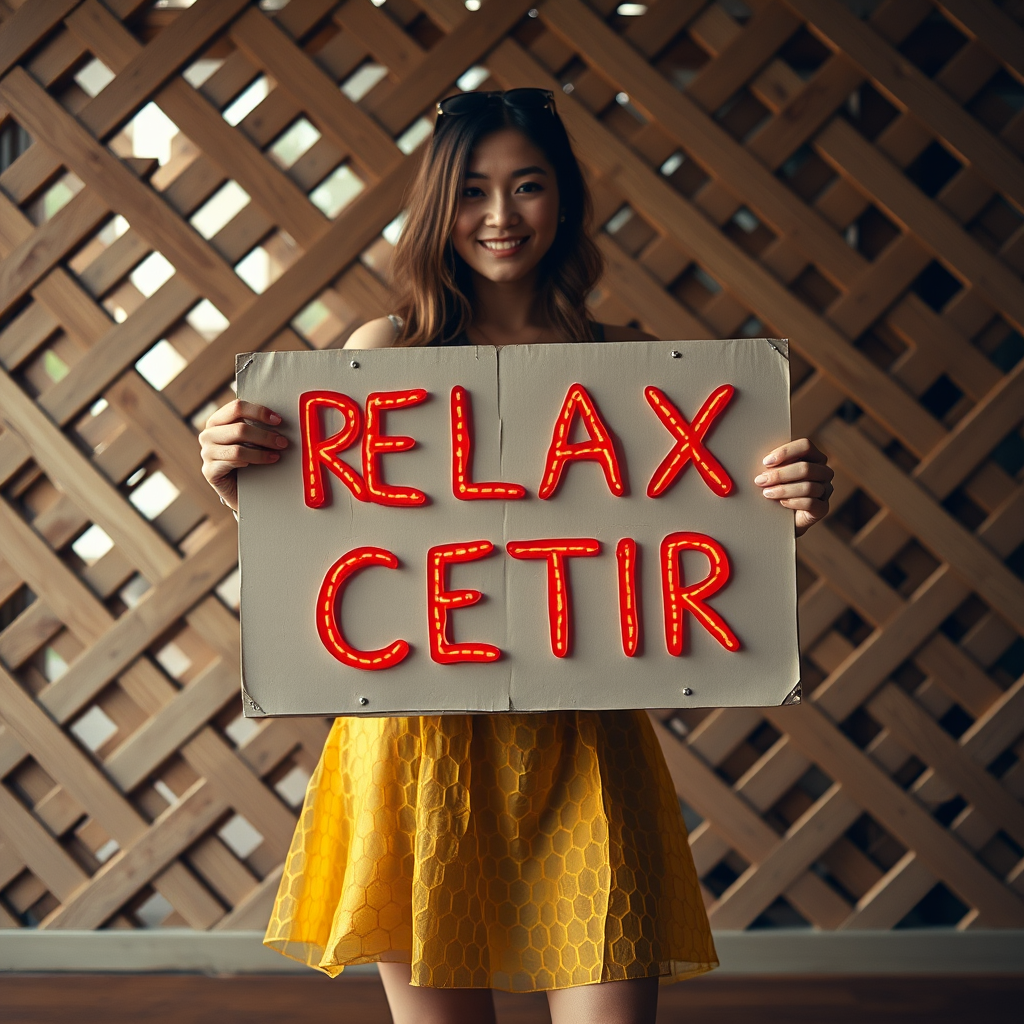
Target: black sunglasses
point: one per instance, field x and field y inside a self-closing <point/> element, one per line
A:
<point x="518" y="99"/>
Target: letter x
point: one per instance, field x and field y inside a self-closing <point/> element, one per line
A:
<point x="689" y="444"/>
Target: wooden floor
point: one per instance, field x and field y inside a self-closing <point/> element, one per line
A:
<point x="190" y="999"/>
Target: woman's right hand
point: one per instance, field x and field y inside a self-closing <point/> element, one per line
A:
<point x="229" y="443"/>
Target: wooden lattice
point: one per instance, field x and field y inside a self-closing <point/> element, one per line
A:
<point x="846" y="174"/>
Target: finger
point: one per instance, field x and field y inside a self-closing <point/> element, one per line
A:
<point x="239" y="410"/>
<point x="238" y="456"/>
<point x="242" y="433"/>
<point x="799" y="450"/>
<point x="800" y="489"/>
<point x="813" y="506"/>
<point x="794" y="471"/>
<point x="221" y="477"/>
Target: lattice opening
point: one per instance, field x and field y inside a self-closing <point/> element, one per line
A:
<point x="846" y="870"/>
<point x="49" y="364"/>
<point x="337" y="190"/>
<point x="871" y="233"/>
<point x="19" y="598"/>
<point x="1002" y="764"/>
<point x="1001" y="343"/>
<point x="1002" y="854"/>
<point x="875" y="842"/>
<point x="939" y="907"/>
<point x="959" y="504"/>
<point x="998" y="101"/>
<point x="910" y="567"/>
<point x="29" y="783"/>
<point x="1009" y="453"/>
<point x="54" y="198"/>
<point x="630" y="230"/>
<point x="956" y="721"/>
<point x="860" y="727"/>
<point x="289" y="782"/>
<point x="933" y="168"/>
<point x="684" y="174"/>
<point x="935" y="285"/>
<point x="695" y="287"/>
<point x="293" y="143"/>
<point x="932" y="44"/>
<point x="853" y="515"/>
<point x="742" y="114"/>
<point x="806" y="173"/>
<point x="868" y="111"/>
<point x="881" y="345"/>
<point x="779" y="914"/>
<point x="724" y="873"/>
<point x="996" y="224"/>
<point x="749" y="232"/>
<point x="815" y="289"/>
<point x="29" y="900"/>
<point x="14" y="140"/>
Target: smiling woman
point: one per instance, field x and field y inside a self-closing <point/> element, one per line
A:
<point x="528" y="852"/>
<point x="496" y="247"/>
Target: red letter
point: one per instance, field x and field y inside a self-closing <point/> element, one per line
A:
<point x="679" y="599"/>
<point x="559" y="595"/>
<point x="462" y="457"/>
<point x="328" y="605"/>
<point x="439" y="601"/>
<point x="318" y="451"/>
<point x="689" y="444"/>
<point x="629" y="596"/>
<point x="377" y="443"/>
<point x="598" y="449"/>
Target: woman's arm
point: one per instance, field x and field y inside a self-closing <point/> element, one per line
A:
<point x="379" y="333"/>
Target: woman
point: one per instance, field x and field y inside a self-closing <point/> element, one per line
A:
<point x="541" y="852"/>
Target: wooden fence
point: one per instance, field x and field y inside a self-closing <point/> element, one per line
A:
<point x="846" y="174"/>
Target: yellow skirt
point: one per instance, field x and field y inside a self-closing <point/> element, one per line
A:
<point x="509" y="851"/>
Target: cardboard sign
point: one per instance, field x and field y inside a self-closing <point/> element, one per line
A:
<point x="533" y="528"/>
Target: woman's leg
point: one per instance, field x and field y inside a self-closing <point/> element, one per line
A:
<point x="411" y="1004"/>
<point x="611" y="1002"/>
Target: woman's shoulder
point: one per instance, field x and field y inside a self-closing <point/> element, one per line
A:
<point x="613" y="332"/>
<point x="379" y="333"/>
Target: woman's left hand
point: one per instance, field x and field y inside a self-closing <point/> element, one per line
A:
<point x="798" y="476"/>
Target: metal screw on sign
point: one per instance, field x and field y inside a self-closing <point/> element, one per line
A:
<point x="676" y="355"/>
<point x="687" y="692"/>
<point x="354" y="365"/>
<point x="364" y="700"/>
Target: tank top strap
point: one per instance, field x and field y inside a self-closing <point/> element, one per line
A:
<point x="597" y="331"/>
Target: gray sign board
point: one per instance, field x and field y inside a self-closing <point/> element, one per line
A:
<point x="612" y="647"/>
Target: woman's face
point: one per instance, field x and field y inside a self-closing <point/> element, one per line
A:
<point x="508" y="211"/>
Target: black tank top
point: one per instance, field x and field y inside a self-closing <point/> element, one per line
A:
<point x="463" y="338"/>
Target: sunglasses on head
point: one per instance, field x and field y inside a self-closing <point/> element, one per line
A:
<point x="518" y="99"/>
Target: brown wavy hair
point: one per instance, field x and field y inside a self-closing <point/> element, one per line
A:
<point x="432" y="285"/>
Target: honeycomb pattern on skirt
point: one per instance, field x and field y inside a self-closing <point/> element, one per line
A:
<point x="509" y="851"/>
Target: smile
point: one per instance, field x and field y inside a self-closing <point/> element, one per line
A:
<point x="504" y="246"/>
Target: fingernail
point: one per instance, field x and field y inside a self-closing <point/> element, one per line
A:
<point x="770" y="460"/>
<point x="274" y="456"/>
<point x="761" y="478"/>
<point x="281" y="442"/>
<point x="274" y="418"/>
<point x="771" y="492"/>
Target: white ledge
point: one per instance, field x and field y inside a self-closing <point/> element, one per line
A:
<point x="774" y="952"/>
